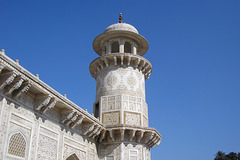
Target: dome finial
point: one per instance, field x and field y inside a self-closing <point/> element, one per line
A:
<point x="120" y="18"/>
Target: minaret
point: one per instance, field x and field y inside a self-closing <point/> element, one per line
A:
<point x="120" y="103"/>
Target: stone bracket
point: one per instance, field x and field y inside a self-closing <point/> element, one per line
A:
<point x="17" y="82"/>
<point x="139" y="136"/>
<point x="110" y="131"/>
<point x="7" y="78"/>
<point x="132" y="134"/>
<point x="95" y="130"/>
<point x="77" y="122"/>
<point x="102" y="136"/>
<point x="122" y="131"/>
<point x="2" y="66"/>
<point x="22" y="89"/>
<point x="44" y="102"/>
<point x="89" y="129"/>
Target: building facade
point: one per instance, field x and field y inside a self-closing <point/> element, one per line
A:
<point x="36" y="122"/>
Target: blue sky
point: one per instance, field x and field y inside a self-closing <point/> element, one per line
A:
<point x="194" y="91"/>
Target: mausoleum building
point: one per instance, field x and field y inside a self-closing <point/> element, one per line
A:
<point x="38" y="123"/>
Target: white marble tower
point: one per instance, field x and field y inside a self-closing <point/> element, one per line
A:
<point x="120" y="104"/>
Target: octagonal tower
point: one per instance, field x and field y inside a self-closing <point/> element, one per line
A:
<point x="120" y="103"/>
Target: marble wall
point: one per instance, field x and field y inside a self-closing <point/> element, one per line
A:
<point x="26" y="134"/>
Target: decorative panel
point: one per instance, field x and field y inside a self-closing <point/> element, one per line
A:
<point x="126" y="102"/>
<point x="133" y="154"/>
<point x="125" y="80"/>
<point x="47" y="148"/>
<point x="19" y="135"/>
<point x="111" y="118"/>
<point x="69" y="150"/>
<point x="131" y="118"/>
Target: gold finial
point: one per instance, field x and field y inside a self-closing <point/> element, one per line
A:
<point x="120" y="18"/>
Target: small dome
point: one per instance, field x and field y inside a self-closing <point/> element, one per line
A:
<point x="121" y="27"/>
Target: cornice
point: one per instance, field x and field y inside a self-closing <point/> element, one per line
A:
<point x="121" y="60"/>
<point x="127" y="133"/>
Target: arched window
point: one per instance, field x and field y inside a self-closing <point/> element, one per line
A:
<point x="72" y="157"/>
<point x="127" y="47"/>
<point x="17" y="145"/>
<point x="115" y="47"/>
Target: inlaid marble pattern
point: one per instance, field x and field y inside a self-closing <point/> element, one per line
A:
<point x="111" y="118"/>
<point x="47" y="148"/>
<point x="132" y="118"/>
<point x="124" y="80"/>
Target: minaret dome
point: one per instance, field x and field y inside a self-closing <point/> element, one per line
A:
<point x="120" y="38"/>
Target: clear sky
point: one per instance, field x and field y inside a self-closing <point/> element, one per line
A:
<point x="194" y="90"/>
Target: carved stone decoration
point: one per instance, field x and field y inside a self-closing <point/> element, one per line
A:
<point x="14" y="85"/>
<point x="111" y="80"/>
<point x="2" y="66"/>
<point x="122" y="134"/>
<point x="66" y="118"/>
<point x="78" y="122"/>
<point x="132" y="134"/>
<point x="89" y="128"/>
<point x="132" y="118"/>
<point x="148" y="136"/>
<point x="70" y="150"/>
<point x="110" y="131"/>
<point x="22" y="89"/>
<point x="131" y="80"/>
<point x="98" y="132"/>
<point x="139" y="136"/>
<point x="95" y="130"/>
<point x="121" y="59"/>
<point x="111" y="118"/>
<point x="7" y="78"/>
<point x="72" y="119"/>
<point x="102" y="136"/>
<point x="47" y="148"/>
<point x="42" y="101"/>
<point x="50" y="105"/>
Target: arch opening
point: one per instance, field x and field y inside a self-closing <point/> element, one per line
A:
<point x="73" y="157"/>
<point x="127" y="47"/>
<point x="115" y="47"/>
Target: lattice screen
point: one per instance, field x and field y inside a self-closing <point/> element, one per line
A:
<point x="17" y="145"/>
